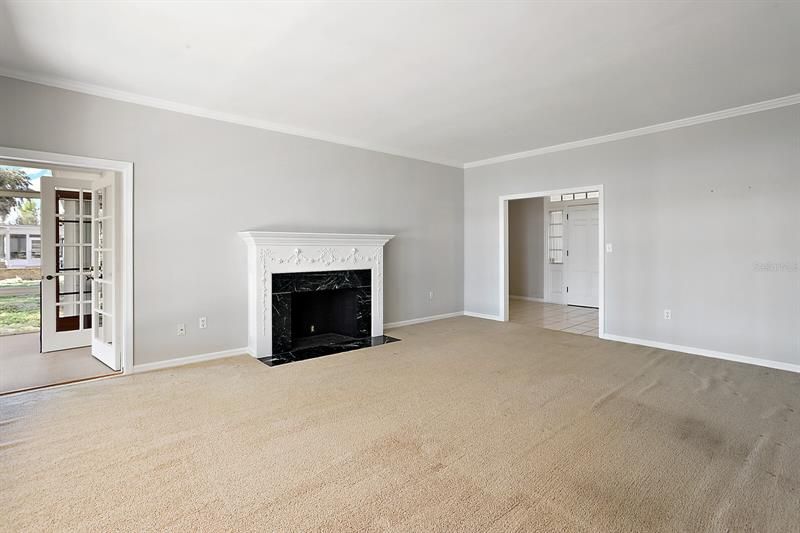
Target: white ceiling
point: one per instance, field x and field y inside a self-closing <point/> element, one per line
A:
<point x="441" y="81"/>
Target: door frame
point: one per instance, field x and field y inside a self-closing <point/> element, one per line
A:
<point x="503" y="272"/>
<point x="125" y="269"/>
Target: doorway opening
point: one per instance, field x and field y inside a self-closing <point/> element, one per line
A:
<point x="62" y="280"/>
<point x="552" y="259"/>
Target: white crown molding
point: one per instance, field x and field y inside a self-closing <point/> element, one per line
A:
<point x="768" y="363"/>
<point x="647" y="130"/>
<point x="186" y="109"/>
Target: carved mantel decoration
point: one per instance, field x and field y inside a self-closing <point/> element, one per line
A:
<point x="270" y="252"/>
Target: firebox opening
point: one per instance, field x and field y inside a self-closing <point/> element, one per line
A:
<point x="322" y="317"/>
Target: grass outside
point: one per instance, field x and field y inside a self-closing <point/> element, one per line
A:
<point x="9" y="275"/>
<point x="19" y="314"/>
<point x="17" y="282"/>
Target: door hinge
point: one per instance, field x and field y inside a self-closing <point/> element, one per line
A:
<point x="567" y="288"/>
<point x="567" y="216"/>
<point x="567" y="253"/>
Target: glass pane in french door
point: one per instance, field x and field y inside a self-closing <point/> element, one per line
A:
<point x="73" y="259"/>
<point x="103" y="332"/>
<point x="68" y="258"/>
<point x="102" y="297"/>
<point x="67" y="205"/>
<point x="73" y="292"/>
<point x="67" y="231"/>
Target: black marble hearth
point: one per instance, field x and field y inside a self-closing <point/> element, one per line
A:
<point x="320" y="313"/>
<point x="342" y="344"/>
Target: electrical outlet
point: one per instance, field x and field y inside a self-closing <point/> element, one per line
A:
<point x="203" y="322"/>
<point x="181" y="329"/>
<point x="667" y="314"/>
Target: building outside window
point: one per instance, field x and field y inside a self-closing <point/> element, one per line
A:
<point x="19" y="247"/>
<point x="36" y="247"/>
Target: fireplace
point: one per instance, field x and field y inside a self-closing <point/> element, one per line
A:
<point x="312" y="294"/>
<point x="312" y="309"/>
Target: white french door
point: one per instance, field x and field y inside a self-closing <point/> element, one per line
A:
<point x="103" y="268"/>
<point x="66" y="263"/>
<point x="583" y="265"/>
<point x="77" y="261"/>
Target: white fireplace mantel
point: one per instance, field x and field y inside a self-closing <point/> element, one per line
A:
<point x="271" y="252"/>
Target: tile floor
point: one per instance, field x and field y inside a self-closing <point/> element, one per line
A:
<point x="580" y="320"/>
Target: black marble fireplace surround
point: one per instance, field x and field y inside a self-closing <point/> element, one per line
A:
<point x="320" y="313"/>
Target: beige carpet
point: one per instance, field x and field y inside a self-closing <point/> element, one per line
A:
<point x="466" y="424"/>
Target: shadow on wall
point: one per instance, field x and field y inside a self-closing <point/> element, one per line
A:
<point x="526" y="247"/>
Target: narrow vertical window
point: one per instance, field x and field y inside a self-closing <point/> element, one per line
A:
<point x="36" y="247"/>
<point x="555" y="237"/>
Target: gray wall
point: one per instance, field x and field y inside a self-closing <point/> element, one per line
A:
<point x="526" y="247"/>
<point x="704" y="220"/>
<point x="198" y="181"/>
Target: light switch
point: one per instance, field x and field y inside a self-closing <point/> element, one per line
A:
<point x="609" y="248"/>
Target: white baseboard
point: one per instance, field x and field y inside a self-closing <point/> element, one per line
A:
<point x="389" y="325"/>
<point x="778" y="365"/>
<point x="179" y="361"/>
<point x="481" y="315"/>
<point x="527" y="298"/>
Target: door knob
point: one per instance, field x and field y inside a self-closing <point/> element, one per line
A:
<point x="48" y="277"/>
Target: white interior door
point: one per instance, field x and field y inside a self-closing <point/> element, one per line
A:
<point x="103" y="268"/>
<point x="583" y="266"/>
<point x="66" y="263"/>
